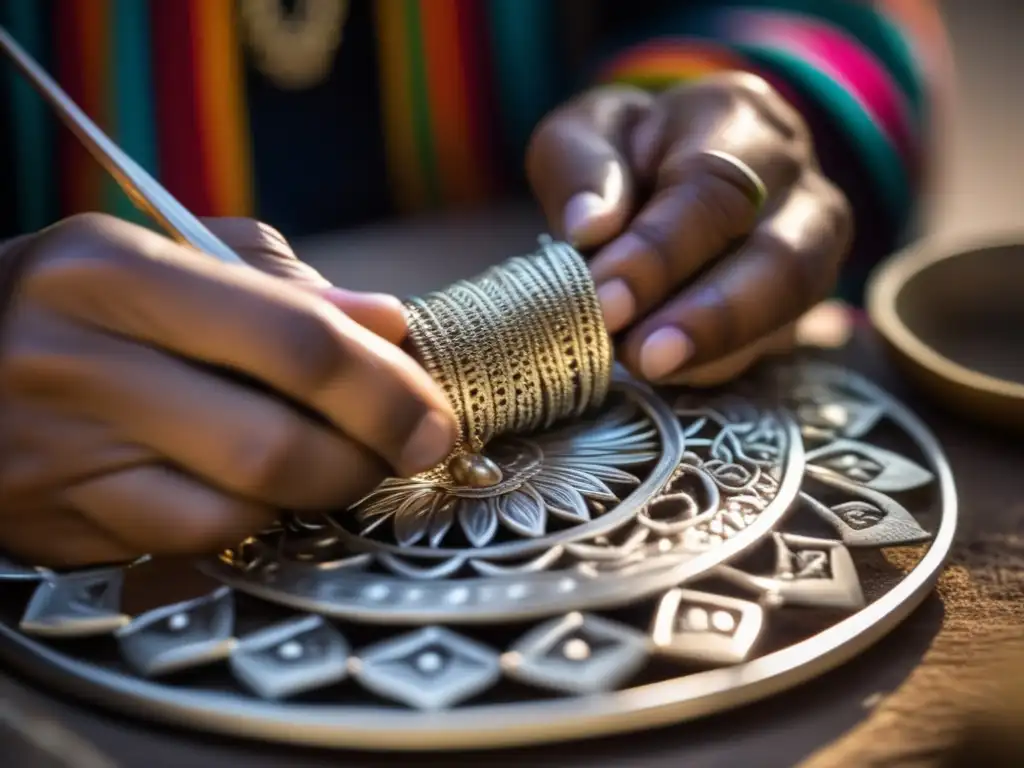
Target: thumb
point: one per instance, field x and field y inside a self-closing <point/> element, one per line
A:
<point x="577" y="166"/>
<point x="266" y="249"/>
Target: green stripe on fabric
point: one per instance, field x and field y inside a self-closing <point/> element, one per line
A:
<point x="522" y="36"/>
<point x="33" y="130"/>
<point x="421" y="101"/>
<point x="131" y="90"/>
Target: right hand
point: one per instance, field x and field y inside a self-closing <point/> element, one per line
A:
<point x="155" y="401"/>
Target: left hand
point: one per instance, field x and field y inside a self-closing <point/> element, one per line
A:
<point x="663" y="187"/>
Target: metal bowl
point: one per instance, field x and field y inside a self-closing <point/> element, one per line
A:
<point x="952" y="316"/>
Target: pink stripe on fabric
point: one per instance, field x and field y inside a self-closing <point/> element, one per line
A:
<point x="843" y="59"/>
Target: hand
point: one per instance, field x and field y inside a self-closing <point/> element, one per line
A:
<point x="156" y="401"/>
<point x="702" y="275"/>
<point x="266" y="249"/>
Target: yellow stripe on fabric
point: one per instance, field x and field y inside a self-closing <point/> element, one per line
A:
<point x="222" y="109"/>
<point x="405" y="168"/>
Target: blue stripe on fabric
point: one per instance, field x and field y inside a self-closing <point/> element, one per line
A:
<point x="525" y="50"/>
<point x="131" y="86"/>
<point x="33" y="130"/>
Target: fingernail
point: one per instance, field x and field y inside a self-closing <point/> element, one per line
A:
<point x="429" y="444"/>
<point x="664" y="351"/>
<point x="582" y="216"/>
<point x="617" y="304"/>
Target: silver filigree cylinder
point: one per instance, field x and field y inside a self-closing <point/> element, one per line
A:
<point x="515" y="349"/>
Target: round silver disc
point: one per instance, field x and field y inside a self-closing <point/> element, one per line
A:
<point x="636" y="568"/>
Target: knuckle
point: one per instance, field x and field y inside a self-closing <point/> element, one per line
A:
<point x="34" y="360"/>
<point x="836" y="214"/>
<point x="811" y="271"/>
<point x="746" y="84"/>
<point x="774" y="106"/>
<point x="400" y="412"/>
<point x="251" y="235"/>
<point x="609" y="111"/>
<point x="223" y="524"/>
<point x="790" y="159"/>
<point x="724" y="205"/>
<point x="783" y="246"/>
<point x="544" y="141"/>
<point x="77" y="253"/>
<point x="268" y="234"/>
<point x="838" y="209"/>
<point x="657" y="236"/>
<point x="85" y="225"/>
<point x="728" y="89"/>
<point x="260" y="465"/>
<point x="737" y="89"/>
<point x="318" y="352"/>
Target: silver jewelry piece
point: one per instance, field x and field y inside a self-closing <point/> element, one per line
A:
<point x="635" y="561"/>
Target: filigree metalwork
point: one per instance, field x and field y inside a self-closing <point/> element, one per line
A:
<point x="562" y="476"/>
<point x="669" y="527"/>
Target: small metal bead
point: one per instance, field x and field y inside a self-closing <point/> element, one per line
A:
<point x="474" y="470"/>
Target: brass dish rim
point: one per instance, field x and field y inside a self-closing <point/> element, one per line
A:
<point x="888" y="282"/>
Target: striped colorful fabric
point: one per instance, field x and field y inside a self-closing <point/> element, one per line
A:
<point x="663" y="62"/>
<point x="845" y="61"/>
<point x="427" y="103"/>
<point x="437" y="81"/>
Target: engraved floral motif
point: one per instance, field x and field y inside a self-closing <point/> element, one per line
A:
<point x="730" y="558"/>
<point x="566" y="476"/>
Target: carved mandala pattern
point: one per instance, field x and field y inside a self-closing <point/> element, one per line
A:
<point x="656" y="544"/>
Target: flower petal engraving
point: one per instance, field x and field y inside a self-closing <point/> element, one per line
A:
<point x="441" y="521"/>
<point x="608" y="474"/>
<point x="413" y="517"/>
<point x="587" y="484"/>
<point x="563" y="501"/>
<point x="479" y="520"/>
<point x="573" y="474"/>
<point x="524" y="512"/>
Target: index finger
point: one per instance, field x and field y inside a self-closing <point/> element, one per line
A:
<point x="135" y="283"/>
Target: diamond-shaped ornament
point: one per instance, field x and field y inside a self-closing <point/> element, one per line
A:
<point x="578" y="653"/>
<point x="432" y="668"/>
<point x="706" y="628"/>
<point x="291" y="658"/>
<point x="817" y="573"/>
<point x="869" y="519"/>
<point x="180" y="636"/>
<point x="81" y="604"/>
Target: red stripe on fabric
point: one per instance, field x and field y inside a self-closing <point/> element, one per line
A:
<point x="73" y="159"/>
<point x="183" y="169"/>
<point x="480" y="85"/>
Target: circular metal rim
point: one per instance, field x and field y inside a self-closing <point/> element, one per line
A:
<point x="508" y="725"/>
